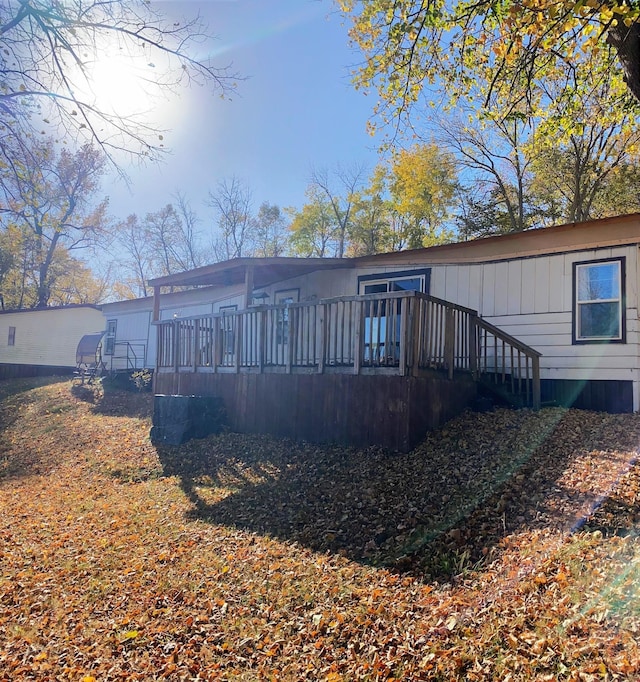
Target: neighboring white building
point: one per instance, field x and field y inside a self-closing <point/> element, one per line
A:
<point x="45" y="339"/>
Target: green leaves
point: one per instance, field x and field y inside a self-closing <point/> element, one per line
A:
<point x="493" y="53"/>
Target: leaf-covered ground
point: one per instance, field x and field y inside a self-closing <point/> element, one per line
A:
<point x="504" y="547"/>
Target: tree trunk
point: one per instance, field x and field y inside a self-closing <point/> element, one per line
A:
<point x="626" y="41"/>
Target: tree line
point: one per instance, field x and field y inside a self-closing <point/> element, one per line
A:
<point x="536" y="125"/>
<point x="59" y="244"/>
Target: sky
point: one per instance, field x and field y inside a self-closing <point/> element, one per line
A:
<point x="295" y="110"/>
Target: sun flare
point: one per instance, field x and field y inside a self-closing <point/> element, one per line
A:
<point x="123" y="87"/>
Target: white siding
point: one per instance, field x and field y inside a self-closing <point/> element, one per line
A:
<point x="528" y="303"/>
<point x="133" y="328"/>
<point x="47" y="337"/>
<point x="532" y="298"/>
<point x="134" y="318"/>
<point x="540" y="284"/>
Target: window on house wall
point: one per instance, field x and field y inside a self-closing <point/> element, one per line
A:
<point x="227" y="328"/>
<point x="12" y="336"/>
<point x="286" y="297"/>
<point x="412" y="280"/>
<point x="110" y="341"/>
<point x="381" y="325"/>
<point x="598" y="309"/>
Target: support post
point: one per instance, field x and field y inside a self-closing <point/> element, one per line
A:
<point x="176" y="346"/>
<point x="238" y="342"/>
<point x="291" y="334"/>
<point x="536" y="382"/>
<point x="194" y="359"/>
<point x="248" y="286"/>
<point x="156" y="304"/>
<point x="262" y="339"/>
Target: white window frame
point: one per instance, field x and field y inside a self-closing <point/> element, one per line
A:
<point x="388" y="281"/>
<point x="110" y="339"/>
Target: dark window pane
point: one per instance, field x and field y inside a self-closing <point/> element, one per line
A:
<point x="376" y="288"/>
<point x="413" y="284"/>
<point x="599" y="321"/>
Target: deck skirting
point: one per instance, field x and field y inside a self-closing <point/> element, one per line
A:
<point x="391" y="411"/>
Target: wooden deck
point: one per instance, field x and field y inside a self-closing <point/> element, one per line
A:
<point x="381" y="368"/>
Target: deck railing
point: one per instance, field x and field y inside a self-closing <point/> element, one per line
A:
<point x="402" y="332"/>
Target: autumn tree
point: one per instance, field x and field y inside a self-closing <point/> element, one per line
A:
<point x="162" y="243"/>
<point x="573" y="164"/>
<point x="74" y="281"/>
<point x="585" y="169"/>
<point x="136" y="261"/>
<point x="313" y="227"/>
<point x="496" y="155"/>
<point x="373" y="229"/>
<point x="48" y="199"/>
<point x="338" y="189"/>
<point x="50" y="54"/>
<point x="171" y="239"/>
<point x="499" y="49"/>
<point x="422" y="185"/>
<point x="232" y="204"/>
<point x="270" y="228"/>
<point x="408" y="202"/>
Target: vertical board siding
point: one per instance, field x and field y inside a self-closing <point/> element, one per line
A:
<point x="528" y="287"/>
<point x="475" y="287"/>
<point x="488" y="306"/>
<point x="514" y="287"/>
<point x="501" y="287"/>
<point x="532" y="298"/>
<point x="541" y="285"/>
<point x="557" y="285"/>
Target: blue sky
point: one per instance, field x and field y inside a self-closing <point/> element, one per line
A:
<point x="296" y="109"/>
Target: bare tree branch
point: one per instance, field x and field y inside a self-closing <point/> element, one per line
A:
<point x="49" y="48"/>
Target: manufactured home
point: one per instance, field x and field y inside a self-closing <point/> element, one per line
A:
<point x="44" y="341"/>
<point x="380" y="348"/>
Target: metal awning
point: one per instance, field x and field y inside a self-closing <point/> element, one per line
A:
<point x="88" y="351"/>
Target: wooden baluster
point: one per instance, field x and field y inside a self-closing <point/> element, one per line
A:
<point x="449" y="341"/>
<point x="322" y="349"/>
<point x="238" y="343"/>
<point x="194" y="359"/>
<point x="473" y="346"/>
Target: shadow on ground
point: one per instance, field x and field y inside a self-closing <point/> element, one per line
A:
<point x="15" y="398"/>
<point x="435" y="511"/>
<point x="114" y="402"/>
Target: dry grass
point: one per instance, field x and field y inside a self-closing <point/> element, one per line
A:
<point x="246" y="557"/>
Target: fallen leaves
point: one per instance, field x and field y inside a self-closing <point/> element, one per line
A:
<point x="246" y="557"/>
